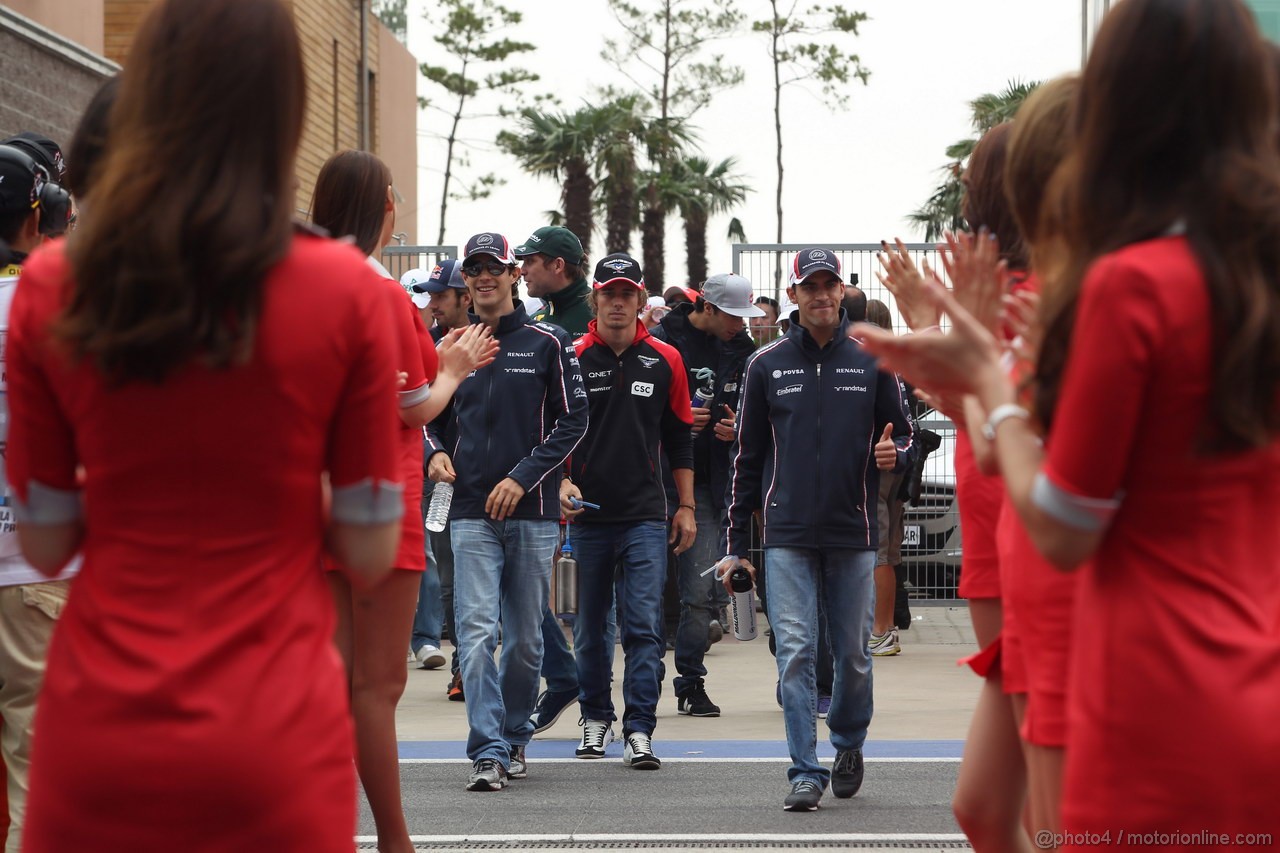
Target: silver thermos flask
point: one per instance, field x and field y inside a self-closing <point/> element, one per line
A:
<point x="743" y="604"/>
<point x="566" y="586"/>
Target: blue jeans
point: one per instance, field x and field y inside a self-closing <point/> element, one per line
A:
<point x="843" y="579"/>
<point x="642" y="549"/>
<point x="430" y="612"/>
<point x="698" y="604"/>
<point x="559" y="666"/>
<point x="502" y="575"/>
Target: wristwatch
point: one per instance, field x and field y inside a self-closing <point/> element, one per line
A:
<point x="999" y="415"/>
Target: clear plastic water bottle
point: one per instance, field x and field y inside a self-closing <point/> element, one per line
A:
<point x="438" y="511"/>
<point x="743" y="605"/>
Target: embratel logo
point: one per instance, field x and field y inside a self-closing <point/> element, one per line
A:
<point x="642" y="389"/>
<point x="790" y="389"/>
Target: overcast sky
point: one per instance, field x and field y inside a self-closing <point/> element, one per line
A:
<point x="851" y="176"/>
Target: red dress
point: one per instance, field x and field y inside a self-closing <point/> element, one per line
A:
<point x="979" y="498"/>
<point x="194" y="700"/>
<point x="1175" y="674"/>
<point x="418" y="353"/>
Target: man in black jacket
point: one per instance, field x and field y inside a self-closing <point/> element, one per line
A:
<point x="518" y="419"/>
<point x="712" y="340"/>
<point x="817" y="421"/>
<point x="639" y="402"/>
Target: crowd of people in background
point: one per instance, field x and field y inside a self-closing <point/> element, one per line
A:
<point x="226" y="430"/>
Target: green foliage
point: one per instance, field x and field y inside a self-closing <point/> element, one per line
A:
<point x="666" y="46"/>
<point x="469" y="32"/>
<point x="943" y="209"/>
<point x="394" y="16"/>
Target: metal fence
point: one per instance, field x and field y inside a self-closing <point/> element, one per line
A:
<point x="400" y="259"/>
<point x="931" y="546"/>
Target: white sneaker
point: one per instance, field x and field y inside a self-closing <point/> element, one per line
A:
<point x="596" y="735"/>
<point x="638" y="752"/>
<point x="884" y="645"/>
<point x="430" y="657"/>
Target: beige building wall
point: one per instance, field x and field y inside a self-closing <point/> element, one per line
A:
<point x="79" y="21"/>
<point x="397" y="120"/>
<point x="330" y="34"/>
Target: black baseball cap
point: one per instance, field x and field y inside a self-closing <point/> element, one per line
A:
<point x="809" y="261"/>
<point x="617" y="267"/>
<point x="490" y="243"/>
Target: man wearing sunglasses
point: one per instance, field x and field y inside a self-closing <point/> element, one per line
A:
<point x="518" y="419"/>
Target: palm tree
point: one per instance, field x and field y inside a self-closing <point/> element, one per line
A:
<point x="560" y="146"/>
<point x="705" y="191"/>
<point x="623" y="126"/>
<point x="942" y="211"/>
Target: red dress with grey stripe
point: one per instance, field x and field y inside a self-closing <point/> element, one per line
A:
<point x="194" y="700"/>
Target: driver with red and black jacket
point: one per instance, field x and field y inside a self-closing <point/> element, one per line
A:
<point x="639" y="411"/>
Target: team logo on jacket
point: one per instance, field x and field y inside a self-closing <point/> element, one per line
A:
<point x="790" y="389"/>
<point x="642" y="389"/>
<point x="647" y="360"/>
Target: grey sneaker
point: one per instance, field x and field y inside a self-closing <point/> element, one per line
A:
<point x="487" y="775"/>
<point x="430" y="657"/>
<point x="846" y="773"/>
<point x="596" y="735"/>
<point x="804" y="797"/>
<point x="885" y="645"/>
<point x="518" y="768"/>
<point x="638" y="752"/>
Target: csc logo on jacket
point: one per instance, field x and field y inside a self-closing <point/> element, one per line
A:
<point x="642" y="389"/>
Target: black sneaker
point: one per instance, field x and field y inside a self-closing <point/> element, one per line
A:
<point x="696" y="703"/>
<point x="518" y="768"/>
<point x="638" y="752"/>
<point x="804" y="797"/>
<point x="549" y="707"/>
<point x="487" y="775"/>
<point x="596" y="736"/>
<point x="846" y="773"/>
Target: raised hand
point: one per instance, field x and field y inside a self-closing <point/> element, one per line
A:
<point x="1022" y="314"/>
<point x="467" y="349"/>
<point x="945" y="364"/>
<point x="978" y="276"/>
<point x="901" y="278"/>
<point x="886" y="450"/>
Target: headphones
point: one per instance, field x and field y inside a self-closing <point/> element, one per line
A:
<point x="53" y="201"/>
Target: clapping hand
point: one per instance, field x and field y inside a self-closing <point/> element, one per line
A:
<point x="979" y="278"/>
<point x="907" y="285"/>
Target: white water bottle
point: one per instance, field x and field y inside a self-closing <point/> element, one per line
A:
<point x="438" y="511"/>
<point x="743" y="604"/>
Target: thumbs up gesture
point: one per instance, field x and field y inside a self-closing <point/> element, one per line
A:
<point x="886" y="450"/>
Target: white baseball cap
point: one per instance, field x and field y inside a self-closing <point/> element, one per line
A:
<point x="731" y="294"/>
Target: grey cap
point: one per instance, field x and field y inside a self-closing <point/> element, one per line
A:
<point x="731" y="294"/>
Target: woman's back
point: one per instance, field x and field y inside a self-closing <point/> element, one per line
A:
<point x="195" y="653"/>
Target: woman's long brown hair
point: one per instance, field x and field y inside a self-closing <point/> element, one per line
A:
<point x="350" y="199"/>
<point x="193" y="203"/>
<point x="1175" y="122"/>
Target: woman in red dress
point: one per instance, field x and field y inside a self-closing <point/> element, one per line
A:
<point x="1157" y="382"/>
<point x="183" y="372"/>
<point x="353" y="198"/>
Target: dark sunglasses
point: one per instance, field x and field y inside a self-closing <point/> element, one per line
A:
<point x="493" y="268"/>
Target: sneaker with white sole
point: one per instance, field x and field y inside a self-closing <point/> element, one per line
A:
<point x="487" y="774"/>
<point x="518" y="768"/>
<point x="696" y="703"/>
<point x="550" y="705"/>
<point x="596" y="735"/>
<point x="804" y="797"/>
<point x="638" y="752"/>
<point x="885" y="645"/>
<point x="430" y="657"/>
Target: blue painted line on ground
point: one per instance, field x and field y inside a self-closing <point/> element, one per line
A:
<point x="721" y="749"/>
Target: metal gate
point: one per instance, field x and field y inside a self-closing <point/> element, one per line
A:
<point x="400" y="259"/>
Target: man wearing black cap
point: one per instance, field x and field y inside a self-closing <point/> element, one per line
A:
<point x="518" y="420"/>
<point x="30" y="203"/>
<point x="711" y="336"/>
<point x="817" y="422"/>
<point x="639" y="401"/>
<point x="551" y="263"/>
<point x="552" y="260"/>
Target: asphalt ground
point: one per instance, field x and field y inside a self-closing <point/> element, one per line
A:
<point x="723" y="779"/>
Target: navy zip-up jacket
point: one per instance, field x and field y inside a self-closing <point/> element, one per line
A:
<point x="639" y="411"/>
<point x="698" y="349"/>
<point x="520" y="417"/>
<point x="808" y="424"/>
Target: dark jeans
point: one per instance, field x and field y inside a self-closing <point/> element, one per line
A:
<point x="698" y="602"/>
